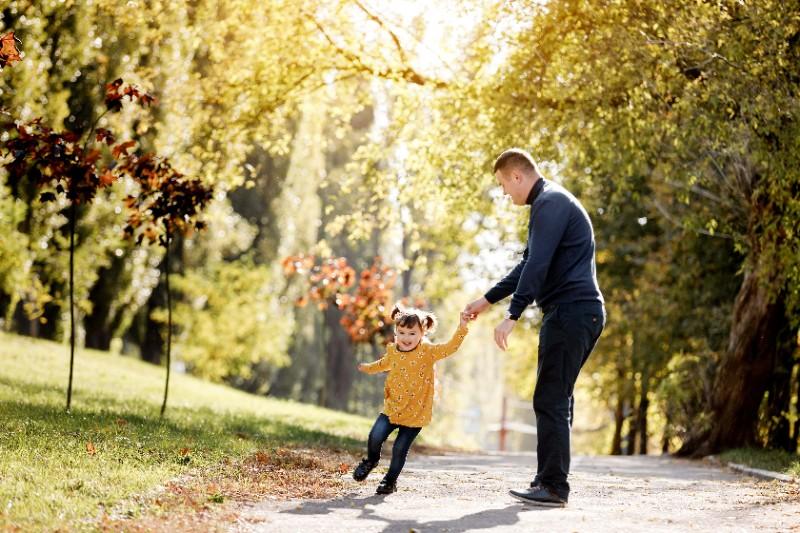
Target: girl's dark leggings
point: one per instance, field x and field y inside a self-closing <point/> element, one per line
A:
<point x="378" y="435"/>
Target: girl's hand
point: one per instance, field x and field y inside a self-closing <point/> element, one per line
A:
<point x="473" y="309"/>
<point x="361" y="367"/>
<point x="465" y="318"/>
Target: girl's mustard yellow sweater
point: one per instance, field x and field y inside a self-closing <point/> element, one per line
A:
<point x="408" y="392"/>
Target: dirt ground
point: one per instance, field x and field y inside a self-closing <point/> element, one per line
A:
<point x="456" y="493"/>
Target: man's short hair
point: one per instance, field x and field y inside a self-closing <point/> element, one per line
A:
<point x="517" y="158"/>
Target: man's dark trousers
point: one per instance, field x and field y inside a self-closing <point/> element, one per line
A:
<point x="568" y="334"/>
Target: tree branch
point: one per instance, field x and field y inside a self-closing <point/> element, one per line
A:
<point x="380" y="23"/>
<point x="678" y="224"/>
<point x="407" y="73"/>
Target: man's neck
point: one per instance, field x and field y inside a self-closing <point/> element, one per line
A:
<point x="536" y="187"/>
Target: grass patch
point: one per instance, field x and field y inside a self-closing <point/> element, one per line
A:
<point x="69" y="470"/>
<point x="775" y="460"/>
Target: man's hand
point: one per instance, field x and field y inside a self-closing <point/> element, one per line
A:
<point x="473" y="309"/>
<point x="502" y="332"/>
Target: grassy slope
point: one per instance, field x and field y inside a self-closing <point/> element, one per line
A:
<point x="774" y="460"/>
<point x="50" y="478"/>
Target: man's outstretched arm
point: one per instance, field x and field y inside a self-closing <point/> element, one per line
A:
<point x="506" y="286"/>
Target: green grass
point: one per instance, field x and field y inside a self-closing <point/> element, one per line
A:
<point x="48" y="479"/>
<point x="775" y="460"/>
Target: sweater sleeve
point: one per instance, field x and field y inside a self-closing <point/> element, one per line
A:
<point x="508" y="284"/>
<point x="440" y="351"/>
<point x="548" y="224"/>
<point x="381" y="365"/>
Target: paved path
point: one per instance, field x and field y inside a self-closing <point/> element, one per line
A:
<point x="457" y="493"/>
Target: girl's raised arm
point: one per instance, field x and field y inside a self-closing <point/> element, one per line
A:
<point x="440" y="351"/>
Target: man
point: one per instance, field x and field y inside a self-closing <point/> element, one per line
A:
<point x="557" y="272"/>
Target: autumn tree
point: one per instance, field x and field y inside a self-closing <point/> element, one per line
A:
<point x="166" y="202"/>
<point x="65" y="163"/>
<point x="363" y="312"/>
<point x="697" y="101"/>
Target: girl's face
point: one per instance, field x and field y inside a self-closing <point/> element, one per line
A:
<point x="407" y="338"/>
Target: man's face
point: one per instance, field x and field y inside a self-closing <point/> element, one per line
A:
<point x="514" y="184"/>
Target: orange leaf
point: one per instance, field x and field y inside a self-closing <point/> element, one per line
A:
<point x="107" y="178"/>
<point x="8" y="50"/>
<point x="344" y="468"/>
<point x="90" y="449"/>
<point x="122" y="148"/>
<point x="184" y="452"/>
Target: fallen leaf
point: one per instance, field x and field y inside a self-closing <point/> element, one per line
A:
<point x="90" y="449"/>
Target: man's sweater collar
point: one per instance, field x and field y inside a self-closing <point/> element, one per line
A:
<point x="535" y="190"/>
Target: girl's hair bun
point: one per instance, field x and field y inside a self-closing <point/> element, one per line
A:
<point x="409" y="317"/>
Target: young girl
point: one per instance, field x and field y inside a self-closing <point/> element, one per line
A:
<point x="408" y="392"/>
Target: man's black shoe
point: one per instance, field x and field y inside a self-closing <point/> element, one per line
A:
<point x="541" y="496"/>
<point x="384" y="487"/>
<point x="363" y="469"/>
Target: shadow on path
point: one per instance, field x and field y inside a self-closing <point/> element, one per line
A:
<point x="485" y="519"/>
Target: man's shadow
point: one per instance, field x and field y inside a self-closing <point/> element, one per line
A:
<point x="485" y="519"/>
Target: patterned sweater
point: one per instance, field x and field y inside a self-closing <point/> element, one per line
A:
<point x="408" y="393"/>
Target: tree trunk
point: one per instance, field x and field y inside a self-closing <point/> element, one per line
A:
<point x="633" y="431"/>
<point x="152" y="340"/>
<point x="619" y="419"/>
<point x="340" y="361"/>
<point x="744" y="373"/>
<point x="45" y="326"/>
<point x="169" y="322"/>
<point x="641" y="417"/>
<point x="71" y="301"/>
<point x="101" y="323"/>
<point x="666" y="436"/>
<point x="408" y="274"/>
<point x="796" y="431"/>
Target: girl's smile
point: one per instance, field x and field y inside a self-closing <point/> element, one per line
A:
<point x="407" y="338"/>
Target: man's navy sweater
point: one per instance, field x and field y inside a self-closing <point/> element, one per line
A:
<point x="558" y="265"/>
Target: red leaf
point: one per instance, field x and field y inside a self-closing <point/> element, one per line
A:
<point x="90" y="449"/>
<point x="114" y="86"/>
<point x="103" y="135"/>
